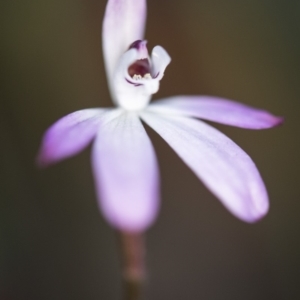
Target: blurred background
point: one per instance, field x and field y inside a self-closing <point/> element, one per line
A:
<point x="55" y="243"/>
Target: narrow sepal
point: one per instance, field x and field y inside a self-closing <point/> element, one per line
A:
<point x="223" y="166"/>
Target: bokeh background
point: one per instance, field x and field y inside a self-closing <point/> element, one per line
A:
<point x="54" y="244"/>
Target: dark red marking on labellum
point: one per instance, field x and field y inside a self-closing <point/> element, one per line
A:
<point x="142" y="66"/>
<point x="135" y="45"/>
<point x="135" y="84"/>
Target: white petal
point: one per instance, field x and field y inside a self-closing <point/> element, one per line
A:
<point x="124" y="23"/>
<point x="126" y="173"/>
<point x="160" y="60"/>
<point x="223" y="166"/>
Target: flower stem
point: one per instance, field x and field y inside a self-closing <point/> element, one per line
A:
<point x="133" y="264"/>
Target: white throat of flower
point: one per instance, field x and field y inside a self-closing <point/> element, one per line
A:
<point x="137" y="75"/>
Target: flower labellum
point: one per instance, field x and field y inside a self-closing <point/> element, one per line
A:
<point x="123" y="159"/>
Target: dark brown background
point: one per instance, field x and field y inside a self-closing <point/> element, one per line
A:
<point x="54" y="242"/>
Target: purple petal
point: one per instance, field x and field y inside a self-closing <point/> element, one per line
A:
<point x="217" y="110"/>
<point x="124" y="23"/>
<point x="69" y="135"/>
<point x="224" y="168"/>
<point x="126" y="174"/>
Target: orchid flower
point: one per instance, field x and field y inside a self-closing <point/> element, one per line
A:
<point x="123" y="159"/>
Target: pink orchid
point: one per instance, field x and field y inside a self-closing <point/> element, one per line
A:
<point x="123" y="159"/>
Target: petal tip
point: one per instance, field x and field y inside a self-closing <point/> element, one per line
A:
<point x="279" y="121"/>
<point x="130" y="221"/>
<point x="268" y="121"/>
<point x="272" y="121"/>
<point x="42" y="160"/>
<point x="255" y="219"/>
<point x="257" y="215"/>
<point x="131" y="226"/>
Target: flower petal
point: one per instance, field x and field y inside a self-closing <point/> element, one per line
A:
<point x="124" y="23"/>
<point x="217" y="110"/>
<point x="224" y="168"/>
<point x="69" y="135"/>
<point x="126" y="173"/>
<point x="160" y="60"/>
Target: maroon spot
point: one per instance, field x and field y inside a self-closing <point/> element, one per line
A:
<point x="135" y="84"/>
<point x="135" y="45"/>
<point x="140" y="67"/>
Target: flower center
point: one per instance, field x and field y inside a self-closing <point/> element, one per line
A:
<point x="141" y="68"/>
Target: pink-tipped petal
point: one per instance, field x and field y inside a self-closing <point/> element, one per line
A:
<point x="69" y="135"/>
<point x="126" y="174"/>
<point x="217" y="110"/>
<point x="224" y="167"/>
<point x="124" y="23"/>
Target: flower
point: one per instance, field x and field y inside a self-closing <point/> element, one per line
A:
<point x="123" y="160"/>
